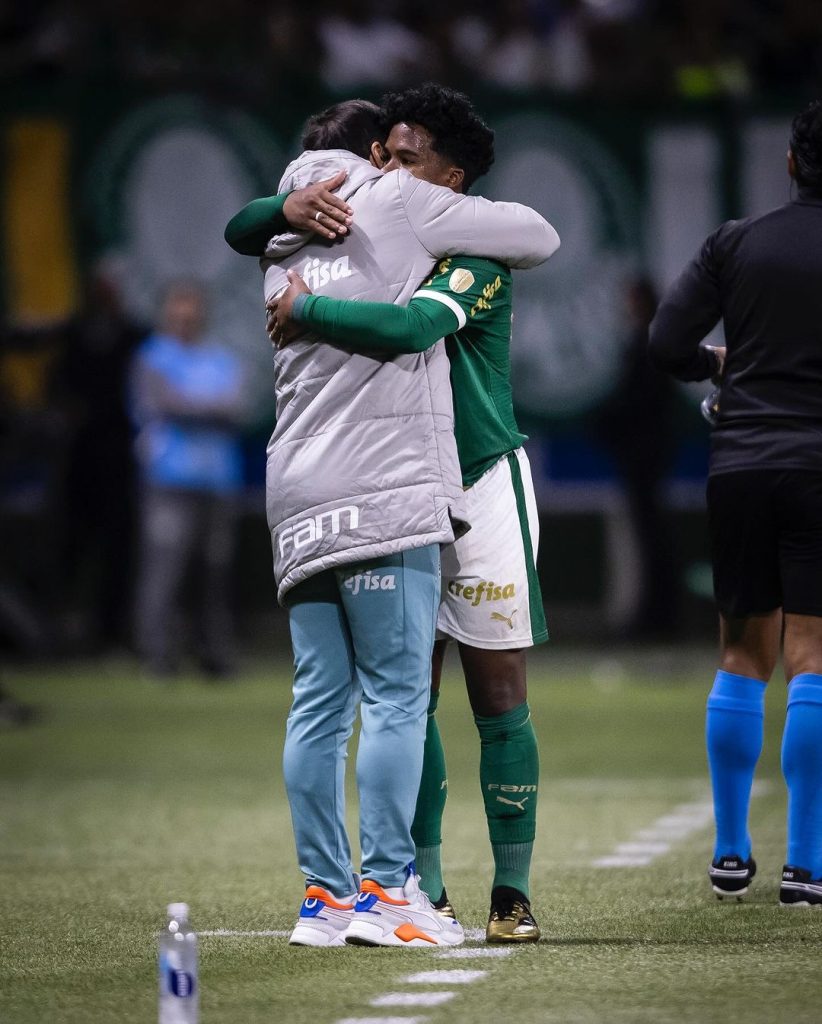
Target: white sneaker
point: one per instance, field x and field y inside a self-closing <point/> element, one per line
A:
<point x="406" y="919"/>
<point x="323" y="919"/>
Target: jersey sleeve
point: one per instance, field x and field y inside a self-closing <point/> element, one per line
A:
<point x="249" y="230"/>
<point x="375" y="326"/>
<point x="473" y="289"/>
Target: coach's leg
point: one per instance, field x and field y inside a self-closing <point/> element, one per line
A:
<point x="317" y="733"/>
<point x="426" y="829"/>
<point x="734" y="723"/>
<point x="802" y="741"/>
<point x="509" y="758"/>
<point x="391" y="606"/>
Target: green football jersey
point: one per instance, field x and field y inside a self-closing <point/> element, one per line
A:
<point x="478" y="291"/>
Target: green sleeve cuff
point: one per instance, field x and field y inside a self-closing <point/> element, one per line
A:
<point x="299" y="305"/>
<point x="377" y="326"/>
<point x="249" y="231"/>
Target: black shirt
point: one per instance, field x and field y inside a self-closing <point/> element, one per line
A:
<point x="763" y="277"/>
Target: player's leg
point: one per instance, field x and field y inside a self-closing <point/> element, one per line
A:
<point x="493" y="607"/>
<point x="748" y="593"/>
<point x="426" y="828"/>
<point x="509" y="759"/>
<point x="801" y="563"/>
<point x="391" y="606"/>
<point x="319" y="726"/>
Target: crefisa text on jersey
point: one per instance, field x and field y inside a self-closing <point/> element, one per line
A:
<point x="318" y="272"/>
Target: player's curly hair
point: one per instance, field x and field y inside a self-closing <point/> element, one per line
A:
<point x="806" y="146"/>
<point x="457" y="130"/>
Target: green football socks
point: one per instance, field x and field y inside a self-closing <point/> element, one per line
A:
<point x="426" y="829"/>
<point x="509" y="775"/>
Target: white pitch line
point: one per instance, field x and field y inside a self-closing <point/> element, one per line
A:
<point x="470" y="954"/>
<point x="227" y="933"/>
<point x="413" y="999"/>
<point x="474" y="934"/>
<point x="654" y="841"/>
<point x="381" y="1020"/>
<point x="444" y="977"/>
<point x="613" y="861"/>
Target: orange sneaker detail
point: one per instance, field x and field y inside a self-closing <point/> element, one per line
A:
<point x="374" y="887"/>
<point x="315" y="892"/>
<point x="407" y="932"/>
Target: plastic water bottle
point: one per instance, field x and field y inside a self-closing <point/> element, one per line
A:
<point x="179" y="984"/>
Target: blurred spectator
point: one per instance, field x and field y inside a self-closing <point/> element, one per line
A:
<point x="635" y="426"/>
<point x="99" y="490"/>
<point x="189" y="401"/>
<point x="503" y="46"/>
<point x="366" y="47"/>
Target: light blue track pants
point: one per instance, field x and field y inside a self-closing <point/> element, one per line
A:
<point x="363" y="636"/>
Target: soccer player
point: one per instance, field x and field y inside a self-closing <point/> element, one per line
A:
<point x="362" y="486"/>
<point x="762" y="277"/>
<point x="491" y="601"/>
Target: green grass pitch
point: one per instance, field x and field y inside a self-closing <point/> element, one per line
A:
<point x="125" y="795"/>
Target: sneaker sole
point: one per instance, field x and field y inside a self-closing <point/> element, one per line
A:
<point x="794" y="899"/>
<point x="725" y="894"/>
<point x="512" y="939"/>
<point x="362" y="933"/>
<point x="305" y="936"/>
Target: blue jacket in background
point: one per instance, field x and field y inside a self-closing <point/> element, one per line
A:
<point x="188" y="403"/>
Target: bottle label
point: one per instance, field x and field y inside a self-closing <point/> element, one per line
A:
<point x="181" y="984"/>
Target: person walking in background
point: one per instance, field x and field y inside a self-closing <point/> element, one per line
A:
<point x="188" y="395"/>
<point x="761" y="276"/>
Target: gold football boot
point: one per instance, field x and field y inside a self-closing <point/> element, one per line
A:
<point x="443" y="906"/>
<point x="511" y="919"/>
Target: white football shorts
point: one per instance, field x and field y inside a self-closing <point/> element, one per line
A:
<point x="490" y="592"/>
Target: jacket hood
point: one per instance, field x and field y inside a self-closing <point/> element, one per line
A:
<point x="314" y="165"/>
<point x="311" y="166"/>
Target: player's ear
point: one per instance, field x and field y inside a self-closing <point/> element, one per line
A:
<point x="455" y="179"/>
<point x="377" y="155"/>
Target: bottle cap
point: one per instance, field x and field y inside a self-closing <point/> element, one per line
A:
<point x="179" y="911"/>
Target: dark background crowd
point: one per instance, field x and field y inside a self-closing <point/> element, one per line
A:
<point x="619" y="49"/>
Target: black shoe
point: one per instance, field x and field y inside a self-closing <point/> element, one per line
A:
<point x="510" y="919"/>
<point x="798" y="889"/>
<point x="443" y="906"/>
<point x="730" y="876"/>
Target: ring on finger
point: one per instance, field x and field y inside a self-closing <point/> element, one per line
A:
<point x="318" y="214"/>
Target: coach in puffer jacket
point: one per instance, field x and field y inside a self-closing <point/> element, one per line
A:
<point x="362" y="462"/>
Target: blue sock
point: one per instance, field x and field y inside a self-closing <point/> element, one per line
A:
<point x="733" y="735"/>
<point x="802" y="768"/>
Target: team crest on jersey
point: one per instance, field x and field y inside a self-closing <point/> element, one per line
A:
<point x="461" y="280"/>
